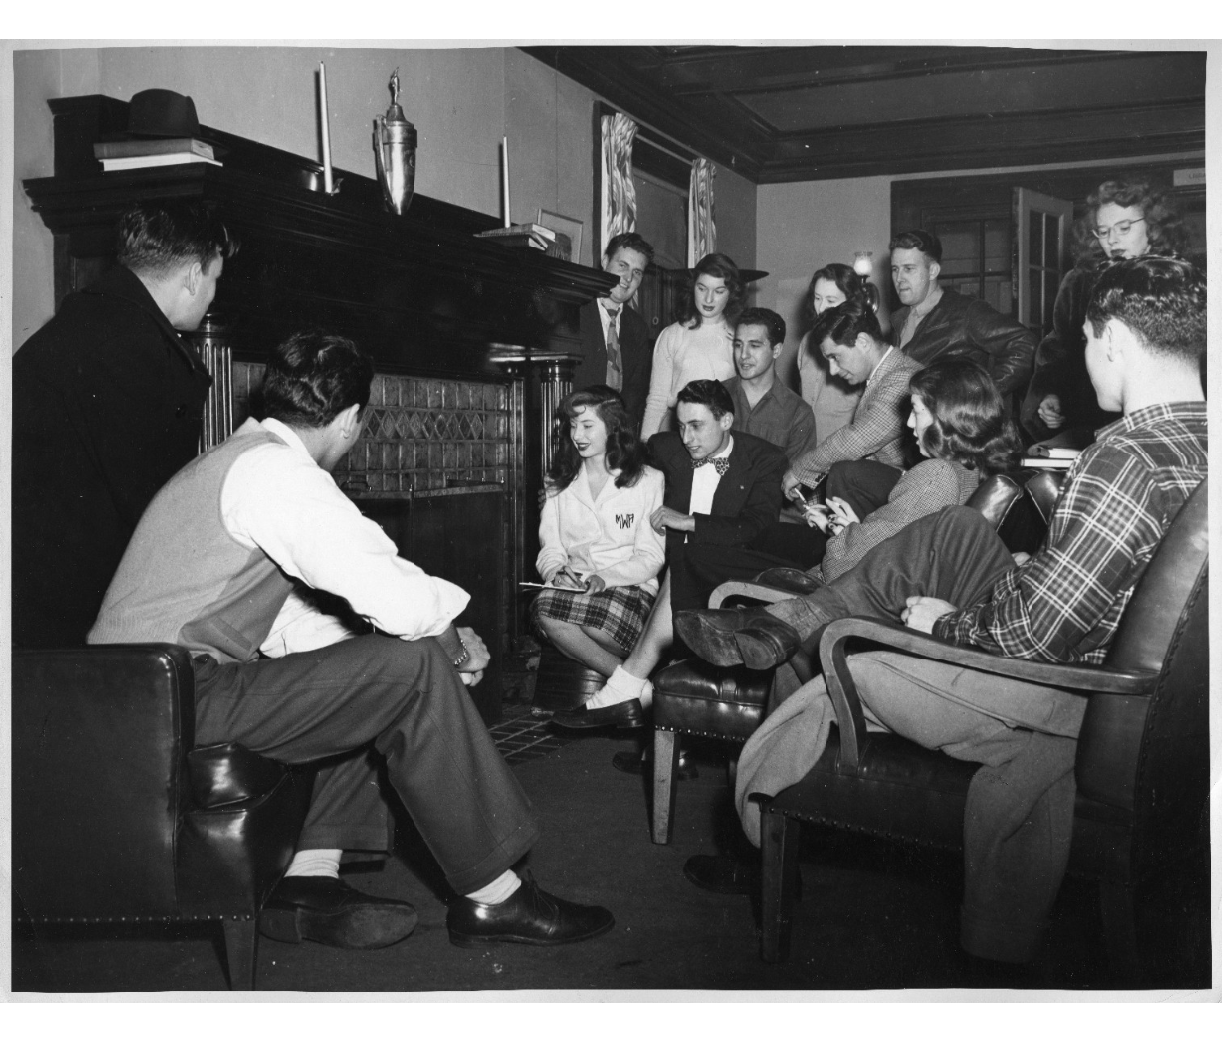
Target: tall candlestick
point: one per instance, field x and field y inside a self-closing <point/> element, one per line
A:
<point x="505" y="176"/>
<point x="326" y="131"/>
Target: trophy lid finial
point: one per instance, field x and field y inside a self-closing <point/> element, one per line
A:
<point x="394" y="114"/>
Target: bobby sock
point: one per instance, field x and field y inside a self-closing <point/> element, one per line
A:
<point x="324" y="862"/>
<point x="498" y="890"/>
<point x="621" y="685"/>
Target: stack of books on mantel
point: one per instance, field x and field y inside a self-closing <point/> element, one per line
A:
<point x="531" y="236"/>
<point x="165" y="151"/>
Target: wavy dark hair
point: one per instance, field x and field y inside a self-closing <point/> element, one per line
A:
<point x="715" y="265"/>
<point x="970" y="424"/>
<point x="843" y="323"/>
<point x="1161" y="299"/>
<point x="1164" y="226"/>
<point x="848" y="281"/>
<point x="625" y="451"/>
<point x="311" y="378"/>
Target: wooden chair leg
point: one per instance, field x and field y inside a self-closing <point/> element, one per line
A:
<point x="778" y="881"/>
<point x="241" y="950"/>
<point x="665" y="766"/>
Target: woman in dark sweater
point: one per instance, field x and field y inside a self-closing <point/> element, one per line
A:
<point x="1122" y="219"/>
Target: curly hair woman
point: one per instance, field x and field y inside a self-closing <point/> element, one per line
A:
<point x="599" y="556"/>
<point x="961" y="428"/>
<point x="1123" y="219"/>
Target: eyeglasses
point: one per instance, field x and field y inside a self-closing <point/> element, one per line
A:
<point x="1122" y="227"/>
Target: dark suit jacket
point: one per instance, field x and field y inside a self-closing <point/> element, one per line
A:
<point x="636" y="352"/>
<point x="107" y="406"/>
<point x="748" y="496"/>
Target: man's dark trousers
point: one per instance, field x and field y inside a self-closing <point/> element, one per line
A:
<point x="953" y="555"/>
<point x="402" y="698"/>
<point x="862" y="483"/>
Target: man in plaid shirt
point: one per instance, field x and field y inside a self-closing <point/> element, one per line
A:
<point x="1146" y="335"/>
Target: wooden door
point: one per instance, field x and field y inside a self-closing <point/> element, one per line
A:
<point x="1042" y="235"/>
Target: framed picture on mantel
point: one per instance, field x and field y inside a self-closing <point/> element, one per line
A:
<point x="567" y="226"/>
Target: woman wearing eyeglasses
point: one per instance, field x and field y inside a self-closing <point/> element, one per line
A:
<point x="1123" y="219"/>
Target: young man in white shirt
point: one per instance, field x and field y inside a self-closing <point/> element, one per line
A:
<point x="216" y="564"/>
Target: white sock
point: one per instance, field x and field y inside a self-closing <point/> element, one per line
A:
<point x="498" y="890"/>
<point x="322" y="862"/>
<point x="621" y="685"/>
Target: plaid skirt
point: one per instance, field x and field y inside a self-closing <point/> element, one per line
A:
<point x="620" y="612"/>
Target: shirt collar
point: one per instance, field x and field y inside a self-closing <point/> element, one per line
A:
<point x="1143" y="416"/>
<point x="725" y="451"/>
<point x="286" y="434"/>
<point x="874" y="370"/>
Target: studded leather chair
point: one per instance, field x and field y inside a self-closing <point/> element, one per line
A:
<point x="1142" y="765"/>
<point x="117" y="817"/>
<point x="692" y="697"/>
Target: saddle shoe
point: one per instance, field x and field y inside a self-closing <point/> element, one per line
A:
<point x="331" y="912"/>
<point x="750" y="637"/>
<point x="530" y="916"/>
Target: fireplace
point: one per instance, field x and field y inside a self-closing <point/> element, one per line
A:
<point x="473" y="341"/>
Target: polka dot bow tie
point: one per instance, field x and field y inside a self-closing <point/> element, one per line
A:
<point x="722" y="462"/>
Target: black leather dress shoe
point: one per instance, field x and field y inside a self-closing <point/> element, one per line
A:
<point x="641" y="762"/>
<point x="752" y="637"/>
<point x="326" y="910"/>
<point x="623" y="714"/>
<point x="529" y="916"/>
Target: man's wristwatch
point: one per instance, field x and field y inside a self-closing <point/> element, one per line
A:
<point x="466" y="653"/>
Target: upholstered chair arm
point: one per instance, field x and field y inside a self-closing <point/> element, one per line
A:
<point x="843" y="691"/>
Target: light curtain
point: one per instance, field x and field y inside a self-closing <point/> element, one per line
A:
<point x="701" y="231"/>
<point x="618" y="203"/>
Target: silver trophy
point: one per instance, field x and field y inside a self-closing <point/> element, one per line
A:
<point x="394" y="144"/>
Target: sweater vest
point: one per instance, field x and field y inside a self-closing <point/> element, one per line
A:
<point x="184" y="579"/>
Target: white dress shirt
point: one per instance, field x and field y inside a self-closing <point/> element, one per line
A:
<point x="283" y="503"/>
<point x="705" y="480"/>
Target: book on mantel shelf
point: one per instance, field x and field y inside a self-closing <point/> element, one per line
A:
<point x="531" y="236"/>
<point x="136" y="155"/>
<point x="141" y="162"/>
<point x="153" y="146"/>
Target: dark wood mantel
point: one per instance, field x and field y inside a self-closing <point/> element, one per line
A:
<point x="418" y="291"/>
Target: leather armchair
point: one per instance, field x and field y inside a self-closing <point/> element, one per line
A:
<point x="118" y="818"/>
<point x="1142" y="764"/>
<point x="692" y="697"/>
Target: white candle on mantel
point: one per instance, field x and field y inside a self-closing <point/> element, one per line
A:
<point x="326" y="130"/>
<point x="505" y="176"/>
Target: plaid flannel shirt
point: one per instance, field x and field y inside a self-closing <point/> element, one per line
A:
<point x="877" y="428"/>
<point x="1119" y="497"/>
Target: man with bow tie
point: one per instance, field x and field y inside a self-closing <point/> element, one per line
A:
<point x="723" y="489"/>
<point x="616" y="348"/>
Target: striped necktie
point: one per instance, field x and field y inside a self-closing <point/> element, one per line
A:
<point x="615" y="368"/>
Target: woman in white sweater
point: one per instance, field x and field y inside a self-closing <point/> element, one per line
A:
<point x="699" y="345"/>
<point x="600" y="556"/>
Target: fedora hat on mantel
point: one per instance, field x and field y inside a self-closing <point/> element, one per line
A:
<point x="162" y="113"/>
